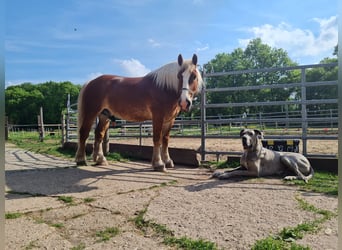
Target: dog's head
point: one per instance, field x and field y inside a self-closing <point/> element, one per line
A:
<point x="250" y="138"/>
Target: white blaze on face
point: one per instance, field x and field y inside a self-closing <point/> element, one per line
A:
<point x="185" y="98"/>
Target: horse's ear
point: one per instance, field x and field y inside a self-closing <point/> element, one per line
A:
<point x="194" y="59"/>
<point x="180" y="60"/>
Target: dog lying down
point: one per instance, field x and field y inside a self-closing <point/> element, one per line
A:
<point x="257" y="161"/>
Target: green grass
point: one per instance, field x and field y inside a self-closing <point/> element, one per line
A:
<point x="286" y="238"/>
<point x="88" y="200"/>
<point x="51" y="145"/>
<point x="13" y="215"/>
<point x="30" y="141"/>
<point x="58" y="225"/>
<point x="107" y="234"/>
<point x="168" y="235"/>
<point x="322" y="182"/>
<point x="189" y="244"/>
<point x="66" y="199"/>
<point x="274" y="243"/>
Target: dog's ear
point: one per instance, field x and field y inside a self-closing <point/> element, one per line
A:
<point x="259" y="133"/>
<point x="242" y="132"/>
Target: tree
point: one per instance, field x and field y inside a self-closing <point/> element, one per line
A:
<point x="22" y="102"/>
<point x="55" y="99"/>
<point x="256" y="56"/>
<point x="323" y="92"/>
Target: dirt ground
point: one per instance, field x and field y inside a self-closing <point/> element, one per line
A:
<point x="233" y="214"/>
<point x="329" y="147"/>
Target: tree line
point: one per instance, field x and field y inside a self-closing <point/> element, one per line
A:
<point x="23" y="101"/>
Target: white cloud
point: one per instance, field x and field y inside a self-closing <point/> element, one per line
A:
<point x="133" y="67"/>
<point x="153" y="42"/>
<point x="298" y="42"/>
<point x="206" y="47"/>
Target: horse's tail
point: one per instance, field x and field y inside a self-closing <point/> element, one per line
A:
<point x="80" y="112"/>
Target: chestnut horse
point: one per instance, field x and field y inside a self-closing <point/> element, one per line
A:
<point x="158" y="96"/>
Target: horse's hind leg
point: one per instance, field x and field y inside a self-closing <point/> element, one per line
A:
<point x="83" y="133"/>
<point x="100" y="132"/>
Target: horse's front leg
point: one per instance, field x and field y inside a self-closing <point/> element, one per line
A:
<point x="100" y="132"/>
<point x="157" y="162"/>
<point x="165" y="146"/>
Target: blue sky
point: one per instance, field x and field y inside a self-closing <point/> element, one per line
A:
<point x="77" y="40"/>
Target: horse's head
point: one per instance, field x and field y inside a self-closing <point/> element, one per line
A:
<point x="190" y="81"/>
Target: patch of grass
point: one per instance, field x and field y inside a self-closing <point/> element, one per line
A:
<point x="223" y="164"/>
<point x="80" y="246"/>
<point x="294" y="233"/>
<point x="168" y="235"/>
<point x="288" y="235"/>
<point x="51" y="145"/>
<point x="58" y="225"/>
<point x="322" y="182"/>
<point x="189" y="244"/>
<point x="32" y="245"/>
<point x="326" y="214"/>
<point x="66" y="199"/>
<point x="144" y="225"/>
<point x="88" y="200"/>
<point x="116" y="157"/>
<point x="139" y="220"/>
<point x="107" y="234"/>
<point x="13" y="215"/>
<point x="24" y="193"/>
<point x="274" y="243"/>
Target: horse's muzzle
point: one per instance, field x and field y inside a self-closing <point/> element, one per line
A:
<point x="185" y="105"/>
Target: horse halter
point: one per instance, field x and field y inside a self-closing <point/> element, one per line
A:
<point x="189" y="90"/>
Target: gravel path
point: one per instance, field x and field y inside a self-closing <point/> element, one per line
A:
<point x="233" y="214"/>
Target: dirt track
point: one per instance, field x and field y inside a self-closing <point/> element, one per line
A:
<point x="329" y="147"/>
<point x="233" y="214"/>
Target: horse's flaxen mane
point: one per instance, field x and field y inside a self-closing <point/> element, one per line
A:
<point x="166" y="76"/>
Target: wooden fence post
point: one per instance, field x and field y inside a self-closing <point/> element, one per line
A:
<point x="41" y="125"/>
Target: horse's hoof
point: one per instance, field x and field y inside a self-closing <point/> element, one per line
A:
<point x="81" y="163"/>
<point x="161" y="168"/>
<point x="169" y="164"/>
<point x="102" y="163"/>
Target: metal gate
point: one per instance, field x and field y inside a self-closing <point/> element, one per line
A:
<point x="302" y="119"/>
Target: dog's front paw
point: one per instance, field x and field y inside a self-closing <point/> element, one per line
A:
<point x="290" y="178"/>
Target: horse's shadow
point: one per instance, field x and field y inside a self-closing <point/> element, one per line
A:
<point x="57" y="181"/>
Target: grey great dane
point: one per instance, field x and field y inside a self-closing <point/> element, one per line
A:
<point x="257" y="161"/>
